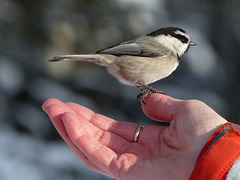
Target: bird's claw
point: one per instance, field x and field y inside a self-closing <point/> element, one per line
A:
<point x="145" y="93"/>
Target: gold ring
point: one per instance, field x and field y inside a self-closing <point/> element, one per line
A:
<point x="137" y="133"/>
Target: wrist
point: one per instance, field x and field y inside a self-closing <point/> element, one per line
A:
<point x="219" y="153"/>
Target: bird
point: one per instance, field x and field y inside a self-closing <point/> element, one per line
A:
<point x="141" y="61"/>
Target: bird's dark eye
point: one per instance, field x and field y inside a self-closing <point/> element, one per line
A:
<point x="183" y="39"/>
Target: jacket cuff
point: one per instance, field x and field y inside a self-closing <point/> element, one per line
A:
<point x="219" y="153"/>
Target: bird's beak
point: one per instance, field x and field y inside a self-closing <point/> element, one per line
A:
<point x="192" y="44"/>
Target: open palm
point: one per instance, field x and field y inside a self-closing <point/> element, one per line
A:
<point x="106" y="145"/>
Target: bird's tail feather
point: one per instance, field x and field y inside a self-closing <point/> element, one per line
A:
<point x="87" y="57"/>
<point x="94" y="58"/>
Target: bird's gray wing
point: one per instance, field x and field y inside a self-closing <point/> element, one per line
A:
<point x="134" y="49"/>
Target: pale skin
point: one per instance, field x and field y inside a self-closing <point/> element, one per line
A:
<point x="106" y="145"/>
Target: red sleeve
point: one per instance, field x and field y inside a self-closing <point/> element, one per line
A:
<point x="219" y="153"/>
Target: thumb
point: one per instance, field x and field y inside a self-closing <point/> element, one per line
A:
<point x="161" y="107"/>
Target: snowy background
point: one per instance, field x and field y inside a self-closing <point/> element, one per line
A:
<point x="33" y="31"/>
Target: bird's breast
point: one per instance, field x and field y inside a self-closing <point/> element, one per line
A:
<point x="131" y="69"/>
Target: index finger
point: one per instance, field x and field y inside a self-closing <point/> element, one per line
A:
<point x="161" y="107"/>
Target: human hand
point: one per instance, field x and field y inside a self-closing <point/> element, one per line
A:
<point x="106" y="145"/>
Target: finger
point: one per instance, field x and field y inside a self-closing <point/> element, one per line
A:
<point x="113" y="131"/>
<point x="127" y="130"/>
<point x="50" y="102"/>
<point x="111" y="140"/>
<point x="81" y="110"/>
<point x="55" y="112"/>
<point x="150" y="137"/>
<point x="55" y="108"/>
<point x="123" y="129"/>
<point x="98" y="154"/>
<point x="161" y="107"/>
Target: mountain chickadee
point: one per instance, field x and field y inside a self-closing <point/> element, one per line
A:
<point x="141" y="61"/>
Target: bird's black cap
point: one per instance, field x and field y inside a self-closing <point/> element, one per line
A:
<point x="165" y="31"/>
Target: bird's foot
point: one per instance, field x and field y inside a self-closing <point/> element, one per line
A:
<point x="146" y="92"/>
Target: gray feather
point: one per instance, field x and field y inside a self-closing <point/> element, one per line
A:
<point x="138" y="47"/>
<point x="73" y="58"/>
<point x="100" y="59"/>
